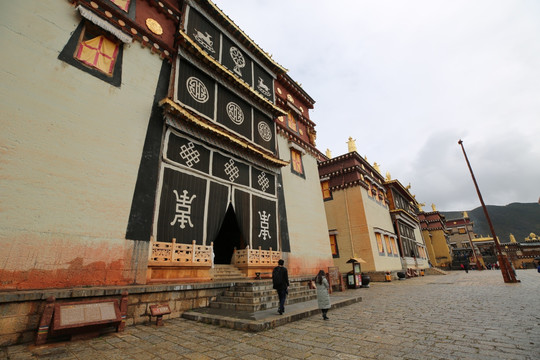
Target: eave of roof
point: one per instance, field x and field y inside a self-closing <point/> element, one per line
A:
<point x="235" y="30"/>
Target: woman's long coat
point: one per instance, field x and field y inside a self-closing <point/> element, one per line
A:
<point x="323" y="297"/>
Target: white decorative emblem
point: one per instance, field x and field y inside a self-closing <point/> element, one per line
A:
<point x="183" y="209"/>
<point x="263" y="181"/>
<point x="189" y="154"/>
<point x="232" y="170"/>
<point x="197" y="89"/>
<point x="264" y="225"/>
<point x="238" y="58"/>
<point x="235" y="113"/>
<point x="205" y="41"/>
<point x="264" y="131"/>
<point x="261" y="86"/>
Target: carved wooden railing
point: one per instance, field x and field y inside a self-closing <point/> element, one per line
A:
<point x="256" y="257"/>
<point x="174" y="254"/>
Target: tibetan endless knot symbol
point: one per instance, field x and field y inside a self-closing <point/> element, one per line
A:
<point x="265" y="131"/>
<point x="190" y="154"/>
<point x="197" y="89"/>
<point x="263" y="181"/>
<point x="235" y="113"/>
<point x="265" y="227"/>
<point x="231" y="170"/>
<point x="238" y="59"/>
<point x="183" y="209"/>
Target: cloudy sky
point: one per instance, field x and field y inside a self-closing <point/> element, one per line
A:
<point x="408" y="79"/>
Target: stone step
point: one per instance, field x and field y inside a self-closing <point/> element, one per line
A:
<point x="249" y="296"/>
<point x="267" y="297"/>
<point x="222" y="272"/>
<point x="261" y="306"/>
<point x="268" y="319"/>
<point x="266" y="286"/>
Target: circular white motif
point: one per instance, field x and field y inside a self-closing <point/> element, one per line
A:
<point x="197" y="89"/>
<point x="235" y="113"/>
<point x="264" y="131"/>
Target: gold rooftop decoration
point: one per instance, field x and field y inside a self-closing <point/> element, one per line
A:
<point x="328" y="153"/>
<point x="388" y="176"/>
<point x="512" y="238"/>
<point x="351" y="144"/>
<point x="376" y="167"/>
<point x="433" y="207"/>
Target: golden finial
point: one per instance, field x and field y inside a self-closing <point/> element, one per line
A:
<point x="328" y="153"/>
<point x="512" y="238"/>
<point x="420" y="207"/>
<point x="376" y="167"/>
<point x="408" y="186"/>
<point x="352" y="144"/>
<point x="433" y="207"/>
<point x="465" y="215"/>
<point x="388" y="176"/>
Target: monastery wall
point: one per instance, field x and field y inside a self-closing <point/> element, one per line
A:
<point x="378" y="217"/>
<point x="308" y="231"/>
<point x="70" y="150"/>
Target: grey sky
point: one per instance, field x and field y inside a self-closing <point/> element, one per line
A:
<point x="408" y="79"/>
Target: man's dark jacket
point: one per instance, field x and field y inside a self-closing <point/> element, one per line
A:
<point x="280" y="278"/>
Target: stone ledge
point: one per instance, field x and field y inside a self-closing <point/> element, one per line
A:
<point x="97" y="291"/>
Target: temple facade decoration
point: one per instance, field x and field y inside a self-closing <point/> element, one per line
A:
<point x="166" y="148"/>
<point x="357" y="211"/>
<point x="403" y="208"/>
<point x="435" y="234"/>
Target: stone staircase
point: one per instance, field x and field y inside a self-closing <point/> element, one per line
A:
<point x="435" y="271"/>
<point x="222" y="272"/>
<point x="259" y="295"/>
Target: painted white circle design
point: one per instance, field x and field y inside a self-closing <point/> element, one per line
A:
<point x="197" y="89"/>
<point x="264" y="131"/>
<point x="235" y="113"/>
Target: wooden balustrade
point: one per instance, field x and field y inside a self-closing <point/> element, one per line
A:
<point x="256" y="257"/>
<point x="175" y="254"/>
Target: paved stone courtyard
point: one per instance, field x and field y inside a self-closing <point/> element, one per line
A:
<point x="456" y="316"/>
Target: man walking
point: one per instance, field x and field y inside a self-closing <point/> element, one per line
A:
<point x="280" y="278"/>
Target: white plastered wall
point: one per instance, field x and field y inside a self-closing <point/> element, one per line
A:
<point x="70" y="144"/>
<point x="308" y="230"/>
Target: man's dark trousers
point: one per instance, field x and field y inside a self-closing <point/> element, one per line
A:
<point x="282" y="294"/>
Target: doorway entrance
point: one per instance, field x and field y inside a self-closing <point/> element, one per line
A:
<point x="228" y="238"/>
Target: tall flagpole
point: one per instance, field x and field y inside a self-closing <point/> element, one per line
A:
<point x="509" y="276"/>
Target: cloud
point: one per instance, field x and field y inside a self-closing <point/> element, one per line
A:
<point x="409" y="79"/>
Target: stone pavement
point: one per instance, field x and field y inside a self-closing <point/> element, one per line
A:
<point x="455" y="316"/>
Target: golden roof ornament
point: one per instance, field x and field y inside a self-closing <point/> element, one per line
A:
<point x="388" y="176"/>
<point x="408" y="186"/>
<point x="351" y="144"/>
<point x="154" y="26"/>
<point x="465" y="215"/>
<point x="512" y="238"/>
<point x="328" y="153"/>
<point x="433" y="207"/>
<point x="420" y="205"/>
<point x="376" y="167"/>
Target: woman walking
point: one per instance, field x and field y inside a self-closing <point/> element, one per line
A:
<point x="323" y="297"/>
